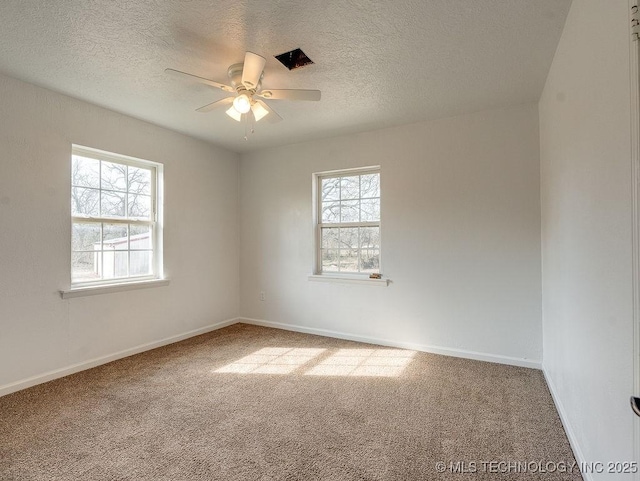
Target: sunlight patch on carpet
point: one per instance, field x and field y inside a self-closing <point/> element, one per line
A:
<point x="271" y="360"/>
<point x="343" y="362"/>
<point x="364" y="362"/>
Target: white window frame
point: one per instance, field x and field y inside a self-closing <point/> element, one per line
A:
<point x="155" y="223"/>
<point x="318" y="224"/>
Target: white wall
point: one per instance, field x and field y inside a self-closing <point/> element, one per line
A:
<point x="40" y="332"/>
<point x="586" y="229"/>
<point x="460" y="234"/>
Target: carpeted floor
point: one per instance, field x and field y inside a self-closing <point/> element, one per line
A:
<point x="251" y="403"/>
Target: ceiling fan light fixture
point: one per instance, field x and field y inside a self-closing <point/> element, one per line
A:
<point x="259" y="112"/>
<point x="234" y="114"/>
<point x="242" y="103"/>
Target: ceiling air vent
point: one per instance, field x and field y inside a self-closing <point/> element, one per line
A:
<point x="294" y="59"/>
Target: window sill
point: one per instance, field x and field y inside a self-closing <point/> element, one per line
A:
<point x="111" y="288"/>
<point x="349" y="280"/>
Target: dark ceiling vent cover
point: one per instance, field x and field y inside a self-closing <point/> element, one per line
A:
<point x="294" y="59"/>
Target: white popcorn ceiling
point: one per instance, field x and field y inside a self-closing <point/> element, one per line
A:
<point x="378" y="63"/>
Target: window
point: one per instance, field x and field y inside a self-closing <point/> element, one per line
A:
<point x="348" y="222"/>
<point x="115" y="219"/>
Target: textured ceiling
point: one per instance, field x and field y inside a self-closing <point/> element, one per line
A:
<point x="378" y="63"/>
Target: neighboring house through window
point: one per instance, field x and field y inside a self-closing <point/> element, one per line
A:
<point x="348" y="221"/>
<point x="115" y="218"/>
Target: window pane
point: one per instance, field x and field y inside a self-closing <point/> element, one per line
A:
<point x="330" y="212"/>
<point x="330" y="189"/>
<point x="85" y="172"/>
<point x="85" y="237"/>
<point x="370" y="260"/>
<point x="330" y="260"/>
<point x="85" y="202"/>
<point x="85" y="266"/>
<point x="330" y="238"/>
<point x="370" y="209"/>
<point x="113" y="204"/>
<point x="349" y="238"/>
<point x="140" y="237"/>
<point x="350" y="211"/>
<point x="115" y="237"/>
<point x="121" y="264"/>
<point x="349" y="260"/>
<point x="139" y="181"/>
<point x="139" y="206"/>
<point x="350" y="187"/>
<point x="369" y="237"/>
<point x="114" y="264"/>
<point x="140" y="263"/>
<point x="370" y="185"/>
<point x="114" y="176"/>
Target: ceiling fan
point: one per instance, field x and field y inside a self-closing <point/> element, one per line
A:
<point x="246" y="91"/>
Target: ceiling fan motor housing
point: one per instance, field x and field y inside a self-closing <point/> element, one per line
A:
<point x="235" y="76"/>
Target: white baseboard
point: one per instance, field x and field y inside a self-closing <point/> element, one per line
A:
<point x="58" y="373"/>
<point x="445" y="351"/>
<point x="573" y="440"/>
<point x="65" y="371"/>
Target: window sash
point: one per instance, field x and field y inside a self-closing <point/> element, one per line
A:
<point x="326" y="225"/>
<point x="153" y="249"/>
<point x="152" y="192"/>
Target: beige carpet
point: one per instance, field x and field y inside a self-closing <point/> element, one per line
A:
<point x="251" y="403"/>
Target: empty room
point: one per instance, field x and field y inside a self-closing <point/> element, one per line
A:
<point x="290" y="240"/>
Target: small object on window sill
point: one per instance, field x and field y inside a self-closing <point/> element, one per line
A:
<point x="375" y="276"/>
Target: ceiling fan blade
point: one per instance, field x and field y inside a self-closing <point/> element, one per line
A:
<point x="252" y="69"/>
<point x="273" y="116"/>
<point x="214" y="105"/>
<point x="290" y="94"/>
<point x="178" y="73"/>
